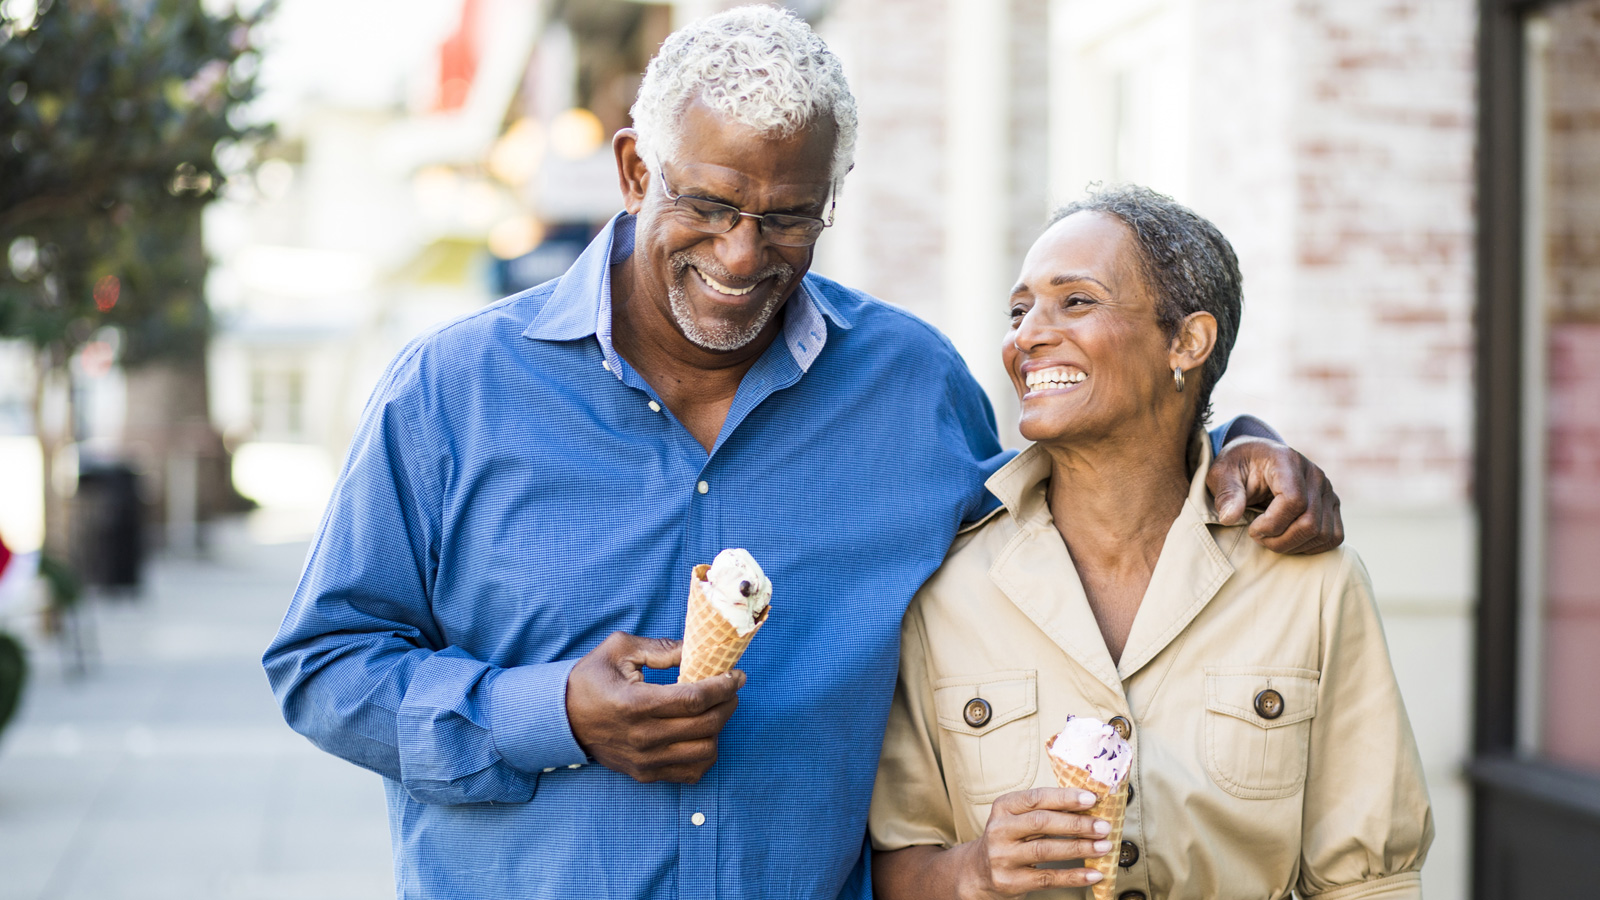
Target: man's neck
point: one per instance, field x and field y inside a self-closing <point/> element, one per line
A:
<point x="696" y="384"/>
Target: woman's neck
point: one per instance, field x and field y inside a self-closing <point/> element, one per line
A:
<point x="1113" y="506"/>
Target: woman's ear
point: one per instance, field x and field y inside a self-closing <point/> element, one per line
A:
<point x="1192" y="345"/>
<point x="632" y="172"/>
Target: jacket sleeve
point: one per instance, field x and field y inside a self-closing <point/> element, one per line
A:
<point x="910" y="801"/>
<point x="1367" y="821"/>
<point x="362" y="668"/>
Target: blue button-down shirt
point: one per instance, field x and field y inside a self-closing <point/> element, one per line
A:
<point x="516" y="492"/>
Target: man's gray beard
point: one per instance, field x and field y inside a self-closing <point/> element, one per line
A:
<point x="721" y="337"/>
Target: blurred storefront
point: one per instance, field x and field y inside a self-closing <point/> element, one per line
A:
<point x="463" y="157"/>
<point x="1536" y="770"/>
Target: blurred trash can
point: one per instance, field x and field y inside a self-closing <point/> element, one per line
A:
<point x="108" y="525"/>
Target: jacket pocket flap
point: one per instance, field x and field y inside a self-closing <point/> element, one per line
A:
<point x="1010" y="695"/>
<point x="1233" y="691"/>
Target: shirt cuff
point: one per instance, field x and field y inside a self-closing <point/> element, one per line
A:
<point x="529" y="723"/>
<point x="1241" y="427"/>
<point x="1401" y="886"/>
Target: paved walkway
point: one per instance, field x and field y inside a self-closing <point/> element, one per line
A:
<point x="166" y="772"/>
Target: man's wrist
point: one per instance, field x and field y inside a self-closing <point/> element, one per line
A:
<point x="528" y="718"/>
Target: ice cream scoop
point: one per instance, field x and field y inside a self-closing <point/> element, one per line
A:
<point x="1095" y="747"/>
<point x="737" y="588"/>
<point x="728" y="602"/>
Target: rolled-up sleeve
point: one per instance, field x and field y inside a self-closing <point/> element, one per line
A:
<point x="1368" y="823"/>
<point x="910" y="801"/>
<point x="360" y="665"/>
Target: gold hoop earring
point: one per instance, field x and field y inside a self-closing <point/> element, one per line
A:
<point x="1177" y="377"/>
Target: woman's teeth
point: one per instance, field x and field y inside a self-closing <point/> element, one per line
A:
<point x="721" y="288"/>
<point x="1054" y="378"/>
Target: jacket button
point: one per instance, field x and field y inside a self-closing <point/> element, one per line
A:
<point x="977" y="712"/>
<point x="1269" y="704"/>
<point x="1129" y="854"/>
<point x="1123" y="726"/>
<point x="1130" y="790"/>
<point x="1131" y="895"/>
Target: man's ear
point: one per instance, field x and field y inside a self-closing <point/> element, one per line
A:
<point x="632" y="173"/>
<point x="1192" y="345"/>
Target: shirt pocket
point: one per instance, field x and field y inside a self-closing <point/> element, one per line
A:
<point x="1250" y="755"/>
<point x="994" y="745"/>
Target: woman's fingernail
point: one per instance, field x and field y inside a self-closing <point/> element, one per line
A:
<point x="1093" y="876"/>
<point x="1101" y="826"/>
<point x="1086" y="798"/>
<point x="1102" y="846"/>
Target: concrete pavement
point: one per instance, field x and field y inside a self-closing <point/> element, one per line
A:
<point x="166" y="771"/>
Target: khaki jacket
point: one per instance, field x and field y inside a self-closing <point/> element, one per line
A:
<point x="1326" y="799"/>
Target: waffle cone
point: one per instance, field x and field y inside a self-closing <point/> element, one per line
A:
<point x="711" y="646"/>
<point x="1112" y="806"/>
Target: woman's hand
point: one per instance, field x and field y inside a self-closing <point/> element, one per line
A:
<point x="1027" y="828"/>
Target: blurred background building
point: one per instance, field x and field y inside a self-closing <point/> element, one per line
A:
<point x="1413" y="188"/>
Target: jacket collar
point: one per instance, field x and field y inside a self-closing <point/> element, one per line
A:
<point x="1035" y="570"/>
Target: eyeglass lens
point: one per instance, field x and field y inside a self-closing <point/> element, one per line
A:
<point x="716" y="218"/>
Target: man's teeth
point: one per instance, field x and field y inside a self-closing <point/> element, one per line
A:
<point x="721" y="288"/>
<point x="1054" y="378"/>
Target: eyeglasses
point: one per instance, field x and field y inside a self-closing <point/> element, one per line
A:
<point x="711" y="217"/>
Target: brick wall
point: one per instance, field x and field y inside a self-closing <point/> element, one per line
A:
<point x="1360" y="262"/>
<point x="890" y="237"/>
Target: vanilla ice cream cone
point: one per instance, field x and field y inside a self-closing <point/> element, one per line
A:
<point x="1112" y="806"/>
<point x="711" y="645"/>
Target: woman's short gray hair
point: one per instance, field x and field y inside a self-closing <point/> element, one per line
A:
<point x="1186" y="261"/>
<point x="760" y="66"/>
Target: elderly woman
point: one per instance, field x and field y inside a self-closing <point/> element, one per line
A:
<point x="1271" y="750"/>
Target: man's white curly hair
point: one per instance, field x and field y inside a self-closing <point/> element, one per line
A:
<point x="759" y="66"/>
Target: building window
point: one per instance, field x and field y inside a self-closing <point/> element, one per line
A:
<point x="1560" y="617"/>
<point x="277" y="402"/>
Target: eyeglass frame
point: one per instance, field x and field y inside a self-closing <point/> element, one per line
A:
<point x="761" y="218"/>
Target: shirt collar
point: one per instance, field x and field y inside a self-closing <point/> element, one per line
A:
<point x="580" y="305"/>
<point x="1020" y="484"/>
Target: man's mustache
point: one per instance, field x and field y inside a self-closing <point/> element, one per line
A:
<point x="683" y="260"/>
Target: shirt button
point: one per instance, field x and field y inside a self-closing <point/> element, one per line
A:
<point x="654" y="406"/>
<point x="605" y="364"/>
<point x="702" y="487"/>
<point x="575" y="766"/>
<point x="977" y="712"/>
<point x="698" y="819"/>
<point x="1123" y="726"/>
<point x="1269" y="704"/>
<point x="1129" y="854"/>
<point x="550" y="769"/>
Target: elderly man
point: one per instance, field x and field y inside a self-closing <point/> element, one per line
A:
<point x="486" y="617"/>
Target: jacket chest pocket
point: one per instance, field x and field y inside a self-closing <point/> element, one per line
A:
<point x="991" y="731"/>
<point x="1258" y="729"/>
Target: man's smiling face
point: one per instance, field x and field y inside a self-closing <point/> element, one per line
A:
<point x="722" y="291"/>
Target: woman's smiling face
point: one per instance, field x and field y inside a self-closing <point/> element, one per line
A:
<point x="1085" y="351"/>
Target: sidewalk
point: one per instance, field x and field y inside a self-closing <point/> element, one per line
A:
<point x="166" y="772"/>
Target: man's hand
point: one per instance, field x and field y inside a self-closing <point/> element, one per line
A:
<point x="650" y="732"/>
<point x="1303" y="511"/>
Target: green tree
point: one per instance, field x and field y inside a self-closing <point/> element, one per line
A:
<point x="112" y="113"/>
